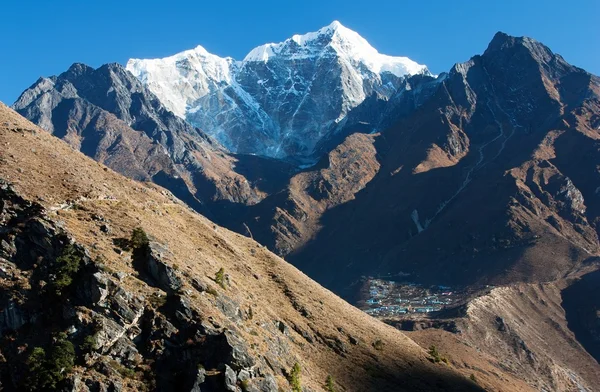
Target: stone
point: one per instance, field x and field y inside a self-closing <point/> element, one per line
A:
<point x="231" y="380"/>
<point x="12" y="317"/>
<point x="200" y="378"/>
<point x="164" y="275"/>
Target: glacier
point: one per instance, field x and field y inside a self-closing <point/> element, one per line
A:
<point x="283" y="98"/>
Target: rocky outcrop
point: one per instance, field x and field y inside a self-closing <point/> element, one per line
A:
<point x="113" y="329"/>
<point x="107" y="114"/>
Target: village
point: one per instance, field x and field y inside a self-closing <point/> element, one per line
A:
<point x="385" y="298"/>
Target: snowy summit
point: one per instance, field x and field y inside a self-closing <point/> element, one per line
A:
<point x="283" y="98"/>
<point x="347" y="43"/>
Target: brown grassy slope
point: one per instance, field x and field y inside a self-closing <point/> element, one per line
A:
<point x="518" y="337"/>
<point x="47" y="170"/>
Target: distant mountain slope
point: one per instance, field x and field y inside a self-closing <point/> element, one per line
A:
<point x="110" y="116"/>
<point x="160" y="318"/>
<point x="282" y="99"/>
<point x="493" y="178"/>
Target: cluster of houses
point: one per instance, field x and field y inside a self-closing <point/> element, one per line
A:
<point x="389" y="298"/>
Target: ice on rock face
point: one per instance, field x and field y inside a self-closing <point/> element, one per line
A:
<point x="283" y="98"/>
<point x="182" y="79"/>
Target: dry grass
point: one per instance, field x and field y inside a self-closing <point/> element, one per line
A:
<point x="47" y="170"/>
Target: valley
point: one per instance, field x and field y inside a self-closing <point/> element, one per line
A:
<point x="315" y="208"/>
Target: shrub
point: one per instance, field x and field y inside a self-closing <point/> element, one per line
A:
<point x="330" y="384"/>
<point x="140" y="244"/>
<point x="157" y="301"/>
<point x="89" y="343"/>
<point x="378" y="344"/>
<point x="294" y="378"/>
<point x="211" y="290"/>
<point x="47" y="371"/>
<point x="220" y="277"/>
<point x="122" y="370"/>
<point x="139" y="238"/>
<point x="472" y="378"/>
<point x="436" y="356"/>
<point x="38" y="375"/>
<point x="62" y="356"/>
<point x="65" y="267"/>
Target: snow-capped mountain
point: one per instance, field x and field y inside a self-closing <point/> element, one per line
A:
<point x="282" y="98"/>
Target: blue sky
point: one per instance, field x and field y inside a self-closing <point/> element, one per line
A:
<point x="42" y="38"/>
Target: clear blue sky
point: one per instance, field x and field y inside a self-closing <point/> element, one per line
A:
<point x="46" y="37"/>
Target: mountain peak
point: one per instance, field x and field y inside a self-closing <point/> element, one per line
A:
<point x="347" y="43"/>
<point x="225" y="97"/>
<point x="77" y="69"/>
<point x="539" y="52"/>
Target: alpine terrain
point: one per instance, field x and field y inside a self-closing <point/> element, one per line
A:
<point x="461" y="208"/>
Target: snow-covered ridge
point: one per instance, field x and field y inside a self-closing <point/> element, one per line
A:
<point x="282" y="98"/>
<point x="346" y="43"/>
<point x="184" y="77"/>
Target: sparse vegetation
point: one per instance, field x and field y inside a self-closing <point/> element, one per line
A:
<point x="122" y="370"/>
<point x="330" y="384"/>
<point x="47" y="371"/>
<point x="378" y="344"/>
<point x="139" y="238"/>
<point x="89" y="343"/>
<point x="65" y="267"/>
<point x="472" y="378"/>
<point x="220" y="278"/>
<point x="436" y="356"/>
<point x="294" y="378"/>
<point x="211" y="290"/>
<point x="139" y="242"/>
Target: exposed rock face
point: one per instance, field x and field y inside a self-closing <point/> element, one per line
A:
<point x="107" y="114"/>
<point x="293" y="216"/>
<point x="126" y="332"/>
<point x="543" y="351"/>
<point x="282" y="99"/>
<point x="476" y="184"/>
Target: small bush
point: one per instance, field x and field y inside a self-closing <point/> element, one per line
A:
<point x="89" y="343"/>
<point x="122" y="370"/>
<point x="47" y="371"/>
<point x="330" y="384"/>
<point x="140" y="244"/>
<point x="220" y="277"/>
<point x="378" y="344"/>
<point x="436" y="356"/>
<point x="211" y="290"/>
<point x="139" y="238"/>
<point x="472" y="378"/>
<point x="294" y="378"/>
<point x="157" y="301"/>
<point x="38" y="375"/>
<point x="65" y="267"/>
